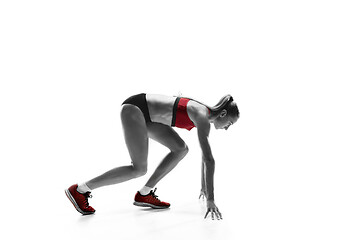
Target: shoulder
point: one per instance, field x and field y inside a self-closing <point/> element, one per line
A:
<point x="199" y="115"/>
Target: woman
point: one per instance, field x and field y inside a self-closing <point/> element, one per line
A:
<point x="151" y="115"/>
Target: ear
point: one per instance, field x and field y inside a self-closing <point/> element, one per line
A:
<point x="223" y="113"/>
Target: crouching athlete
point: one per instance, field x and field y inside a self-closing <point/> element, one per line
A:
<point x="145" y="116"/>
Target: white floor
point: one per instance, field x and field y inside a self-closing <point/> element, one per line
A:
<point x="252" y="214"/>
<point x="184" y="221"/>
<point x="117" y="218"/>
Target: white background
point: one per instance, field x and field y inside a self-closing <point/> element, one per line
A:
<point x="288" y="169"/>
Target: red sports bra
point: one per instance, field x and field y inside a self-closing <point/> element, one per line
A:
<point x="180" y="114"/>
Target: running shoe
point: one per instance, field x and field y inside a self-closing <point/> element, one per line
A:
<point x="150" y="200"/>
<point x="79" y="200"/>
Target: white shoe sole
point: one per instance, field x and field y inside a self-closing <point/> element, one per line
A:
<point x="142" y="204"/>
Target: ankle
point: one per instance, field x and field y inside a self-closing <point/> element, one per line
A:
<point x="145" y="190"/>
<point x="83" y="188"/>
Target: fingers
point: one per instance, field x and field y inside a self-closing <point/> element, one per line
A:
<point x="207" y="213"/>
<point x="214" y="213"/>
<point x="220" y="214"/>
<point x="202" y="196"/>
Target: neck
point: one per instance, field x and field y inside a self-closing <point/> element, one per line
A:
<point x="211" y="118"/>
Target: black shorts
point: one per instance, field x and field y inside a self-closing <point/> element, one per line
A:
<point x="140" y="101"/>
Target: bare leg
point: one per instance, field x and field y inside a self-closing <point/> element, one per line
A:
<point x="136" y="139"/>
<point x="178" y="149"/>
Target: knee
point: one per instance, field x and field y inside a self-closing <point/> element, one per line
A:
<point x="139" y="170"/>
<point x="182" y="151"/>
<point x="186" y="149"/>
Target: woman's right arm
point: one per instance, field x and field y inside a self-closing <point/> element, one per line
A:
<point x="203" y="127"/>
<point x="209" y="169"/>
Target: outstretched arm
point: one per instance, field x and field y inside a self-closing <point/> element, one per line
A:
<point x="208" y="169"/>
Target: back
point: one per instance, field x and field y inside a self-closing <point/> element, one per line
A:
<point x="160" y="108"/>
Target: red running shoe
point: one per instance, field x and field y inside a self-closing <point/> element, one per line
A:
<point x="79" y="200"/>
<point x="149" y="200"/>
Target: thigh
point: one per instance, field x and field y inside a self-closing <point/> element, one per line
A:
<point x="135" y="132"/>
<point x="166" y="135"/>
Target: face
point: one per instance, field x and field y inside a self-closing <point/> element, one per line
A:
<point x="224" y="121"/>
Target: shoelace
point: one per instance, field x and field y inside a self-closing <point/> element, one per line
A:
<point x="152" y="193"/>
<point x="87" y="195"/>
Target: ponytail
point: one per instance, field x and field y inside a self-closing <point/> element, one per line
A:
<point x="221" y="105"/>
